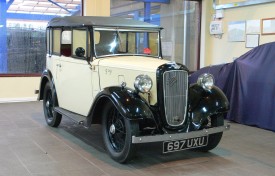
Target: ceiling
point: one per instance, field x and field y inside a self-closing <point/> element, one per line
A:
<point x="44" y="7"/>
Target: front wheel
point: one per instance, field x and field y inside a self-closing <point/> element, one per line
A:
<point x="52" y="118"/>
<point x="117" y="134"/>
<point x="213" y="139"/>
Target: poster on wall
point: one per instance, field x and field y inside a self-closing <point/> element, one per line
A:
<point x="236" y="31"/>
<point x="253" y="26"/>
<point x="252" y="40"/>
<point x="268" y="26"/>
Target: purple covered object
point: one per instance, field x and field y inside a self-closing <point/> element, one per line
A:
<point x="249" y="84"/>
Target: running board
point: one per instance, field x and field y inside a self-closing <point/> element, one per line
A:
<point x="79" y="119"/>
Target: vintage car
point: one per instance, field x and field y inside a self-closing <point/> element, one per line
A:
<point x="110" y="71"/>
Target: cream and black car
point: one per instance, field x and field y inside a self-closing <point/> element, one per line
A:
<point x="110" y="71"/>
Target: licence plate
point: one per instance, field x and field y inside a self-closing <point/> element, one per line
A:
<point x="178" y="145"/>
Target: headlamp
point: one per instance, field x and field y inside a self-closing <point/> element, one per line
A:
<point x="206" y="81"/>
<point x="143" y="83"/>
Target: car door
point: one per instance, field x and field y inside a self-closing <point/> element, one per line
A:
<point x="74" y="76"/>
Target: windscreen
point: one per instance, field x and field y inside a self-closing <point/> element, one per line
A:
<point x="126" y="42"/>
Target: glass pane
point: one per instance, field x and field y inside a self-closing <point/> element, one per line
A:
<point x="113" y="42"/>
<point x="66" y="43"/>
<point x="23" y="32"/>
<point x="79" y="40"/>
<point x="192" y="37"/>
<point x="48" y="41"/>
<point x="181" y="21"/>
<point x="56" y="41"/>
<point x="66" y="37"/>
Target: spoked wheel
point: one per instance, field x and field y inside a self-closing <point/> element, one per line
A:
<point x="117" y="134"/>
<point x="52" y="118"/>
<point x="213" y="139"/>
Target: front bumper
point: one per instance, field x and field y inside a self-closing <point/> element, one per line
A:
<point x="179" y="136"/>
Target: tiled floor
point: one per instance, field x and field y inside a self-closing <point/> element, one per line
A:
<point x="29" y="147"/>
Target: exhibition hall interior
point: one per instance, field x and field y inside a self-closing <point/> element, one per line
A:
<point x="137" y="87"/>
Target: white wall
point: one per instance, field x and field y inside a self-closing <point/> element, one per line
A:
<point x="16" y="89"/>
<point x="96" y="7"/>
<point x="217" y="51"/>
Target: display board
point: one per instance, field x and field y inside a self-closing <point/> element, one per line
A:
<point x="268" y="26"/>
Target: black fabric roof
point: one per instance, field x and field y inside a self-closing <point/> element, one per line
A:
<point x="98" y="21"/>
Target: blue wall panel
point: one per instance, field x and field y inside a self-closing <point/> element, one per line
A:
<point x="3" y="37"/>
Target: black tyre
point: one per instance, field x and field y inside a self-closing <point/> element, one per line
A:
<point x="52" y="118"/>
<point x="213" y="139"/>
<point x="117" y="134"/>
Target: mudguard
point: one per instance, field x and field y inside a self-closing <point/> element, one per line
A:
<point x="203" y="104"/>
<point x="128" y="103"/>
<point x="45" y="77"/>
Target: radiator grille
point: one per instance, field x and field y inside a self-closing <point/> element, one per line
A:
<point x="175" y="84"/>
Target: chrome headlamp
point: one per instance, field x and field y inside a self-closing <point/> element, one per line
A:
<point x="143" y="83"/>
<point x="206" y="81"/>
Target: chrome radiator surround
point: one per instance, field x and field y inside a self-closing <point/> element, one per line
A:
<point x="175" y="94"/>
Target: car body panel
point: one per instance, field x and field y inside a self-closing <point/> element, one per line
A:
<point x="115" y="70"/>
<point x="74" y="84"/>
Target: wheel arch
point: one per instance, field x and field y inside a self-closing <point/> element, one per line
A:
<point x="203" y="104"/>
<point x="96" y="113"/>
<point x="129" y="104"/>
<point x="210" y="102"/>
<point x="45" y="77"/>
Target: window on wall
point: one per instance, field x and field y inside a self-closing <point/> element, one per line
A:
<point x="181" y="21"/>
<point x="23" y="33"/>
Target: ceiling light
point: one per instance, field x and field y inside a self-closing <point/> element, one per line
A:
<point x="29" y="2"/>
<point x="22" y="12"/>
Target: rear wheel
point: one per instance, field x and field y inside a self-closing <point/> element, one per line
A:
<point x="117" y="134"/>
<point x="213" y="139"/>
<point x="52" y="118"/>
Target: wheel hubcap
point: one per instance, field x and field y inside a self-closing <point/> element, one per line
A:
<point x="116" y="130"/>
<point x="112" y="129"/>
<point x="47" y="104"/>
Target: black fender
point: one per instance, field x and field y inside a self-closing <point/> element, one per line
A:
<point x="46" y="77"/>
<point x="128" y="103"/>
<point x="205" y="103"/>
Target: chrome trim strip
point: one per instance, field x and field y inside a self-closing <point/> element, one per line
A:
<point x="178" y="136"/>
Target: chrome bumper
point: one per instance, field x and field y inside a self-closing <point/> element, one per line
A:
<point x="179" y="136"/>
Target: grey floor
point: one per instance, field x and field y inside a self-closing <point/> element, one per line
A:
<point x="29" y="147"/>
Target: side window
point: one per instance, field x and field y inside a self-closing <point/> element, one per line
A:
<point x="56" y="41"/>
<point x="66" y="43"/>
<point x="80" y="43"/>
<point x="123" y="41"/>
<point x="153" y="43"/>
<point x="96" y="37"/>
<point x="132" y="42"/>
<point x="49" y="41"/>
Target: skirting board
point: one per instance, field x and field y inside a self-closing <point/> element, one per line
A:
<point x="13" y="100"/>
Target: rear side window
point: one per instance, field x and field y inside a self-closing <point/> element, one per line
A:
<point x="56" y="41"/>
<point x="49" y="37"/>
<point x="66" y="43"/>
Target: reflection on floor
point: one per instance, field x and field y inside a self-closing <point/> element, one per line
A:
<point x="28" y="147"/>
